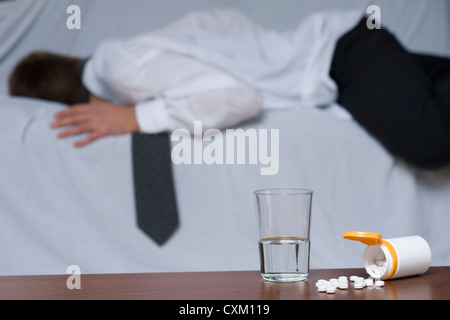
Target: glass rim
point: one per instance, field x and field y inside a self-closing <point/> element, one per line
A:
<point x="283" y="191"/>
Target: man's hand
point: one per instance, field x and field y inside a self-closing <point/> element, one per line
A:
<point x="100" y="119"/>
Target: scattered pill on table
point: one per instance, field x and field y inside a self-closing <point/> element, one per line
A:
<point x="342" y="283"/>
<point x="379" y="283"/>
<point x="331" y="289"/>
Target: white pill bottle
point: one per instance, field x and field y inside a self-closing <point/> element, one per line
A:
<point x="395" y="257"/>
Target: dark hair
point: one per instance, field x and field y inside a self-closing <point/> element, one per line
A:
<point x="48" y="76"/>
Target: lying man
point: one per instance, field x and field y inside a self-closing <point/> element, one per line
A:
<point x="220" y="76"/>
<point x="160" y="90"/>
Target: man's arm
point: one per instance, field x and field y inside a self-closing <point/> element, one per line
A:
<point x="218" y="109"/>
<point x="167" y="91"/>
<point x="99" y="119"/>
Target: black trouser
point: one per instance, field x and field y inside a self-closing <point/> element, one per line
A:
<point x="401" y="99"/>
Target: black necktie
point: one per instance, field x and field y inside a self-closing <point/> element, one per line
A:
<point x="156" y="207"/>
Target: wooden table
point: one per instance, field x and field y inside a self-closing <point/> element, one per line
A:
<point x="231" y="285"/>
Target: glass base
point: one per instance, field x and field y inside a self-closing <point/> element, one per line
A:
<point x="284" y="277"/>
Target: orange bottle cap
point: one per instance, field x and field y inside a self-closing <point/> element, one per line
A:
<point x="369" y="238"/>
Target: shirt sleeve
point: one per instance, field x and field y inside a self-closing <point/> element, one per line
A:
<point x="169" y="90"/>
<point x="220" y="109"/>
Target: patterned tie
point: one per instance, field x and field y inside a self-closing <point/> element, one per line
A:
<point x="156" y="207"/>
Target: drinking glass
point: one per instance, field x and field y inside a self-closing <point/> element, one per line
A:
<point x="283" y="217"/>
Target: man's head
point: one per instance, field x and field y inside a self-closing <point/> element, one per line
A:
<point x="47" y="76"/>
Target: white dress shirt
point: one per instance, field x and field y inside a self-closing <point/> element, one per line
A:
<point x="176" y="75"/>
<point x="169" y="90"/>
<point x="289" y="69"/>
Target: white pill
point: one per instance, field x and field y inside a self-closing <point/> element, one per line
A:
<point x="333" y="280"/>
<point x="336" y="285"/>
<point x="321" y="281"/>
<point x="342" y="278"/>
<point x="322" y="288"/>
<point x="343" y="285"/>
<point x="379" y="283"/>
<point x="359" y="285"/>
<point x="368" y="282"/>
<point x="331" y="289"/>
<point x="380" y="263"/>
